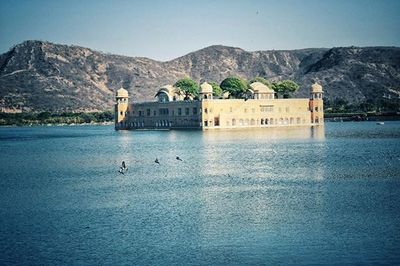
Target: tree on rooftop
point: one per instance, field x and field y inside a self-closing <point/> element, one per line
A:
<point x="285" y="88"/>
<point x="235" y="86"/>
<point x="188" y="87"/>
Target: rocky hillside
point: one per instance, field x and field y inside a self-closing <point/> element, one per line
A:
<point x="38" y="76"/>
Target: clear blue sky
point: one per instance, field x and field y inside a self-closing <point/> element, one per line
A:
<point x="167" y="29"/>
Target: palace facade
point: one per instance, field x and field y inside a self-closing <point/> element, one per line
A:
<point x="259" y="109"/>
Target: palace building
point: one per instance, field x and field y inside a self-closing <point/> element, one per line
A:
<point x="259" y="109"/>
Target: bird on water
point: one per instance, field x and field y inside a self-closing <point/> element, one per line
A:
<point x="156" y="161"/>
<point x="122" y="168"/>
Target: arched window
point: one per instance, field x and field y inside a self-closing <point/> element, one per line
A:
<point x="262" y="121"/>
<point x="252" y="122"/>
<point x="233" y="122"/>
<point x="266" y="121"/>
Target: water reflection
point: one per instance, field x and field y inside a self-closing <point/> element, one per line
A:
<point x="251" y="174"/>
<point x="312" y="132"/>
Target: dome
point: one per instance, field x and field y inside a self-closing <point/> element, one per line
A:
<point x="168" y="89"/>
<point x="171" y="92"/>
<point x="122" y="92"/>
<point x="206" y="88"/>
<point x="260" y="88"/>
<point x="316" y="87"/>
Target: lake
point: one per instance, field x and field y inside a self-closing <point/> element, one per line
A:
<point x="323" y="195"/>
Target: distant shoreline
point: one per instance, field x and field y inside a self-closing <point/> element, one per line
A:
<point x="356" y="117"/>
<point x="48" y="118"/>
<point x="59" y="125"/>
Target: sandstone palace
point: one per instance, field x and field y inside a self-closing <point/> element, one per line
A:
<point x="260" y="108"/>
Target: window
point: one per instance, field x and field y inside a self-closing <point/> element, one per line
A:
<point x="179" y="111"/>
<point x="262" y="121"/>
<point x="163" y="111"/>
<point x="194" y="110"/>
<point x="316" y="108"/>
<point x="186" y="111"/>
<point x="205" y="110"/>
<point x="148" y="112"/>
<point x="154" y="113"/>
<point x="140" y="113"/>
<point x="216" y="121"/>
<point x="206" y="123"/>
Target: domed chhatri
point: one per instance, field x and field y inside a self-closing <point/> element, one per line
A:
<point x="259" y="90"/>
<point x="122" y="93"/>
<point x="260" y="87"/>
<point x="316" y="87"/>
<point x="206" y="91"/>
<point x="206" y="88"/>
<point x="259" y="108"/>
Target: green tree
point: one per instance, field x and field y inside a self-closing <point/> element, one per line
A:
<point x="235" y="86"/>
<point x="188" y="86"/>
<point x="217" y="91"/>
<point x="285" y="88"/>
<point x="262" y="80"/>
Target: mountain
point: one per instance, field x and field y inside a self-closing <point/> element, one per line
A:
<point x="42" y="76"/>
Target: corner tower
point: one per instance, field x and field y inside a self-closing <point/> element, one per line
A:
<point x="121" y="107"/>
<point x="316" y="104"/>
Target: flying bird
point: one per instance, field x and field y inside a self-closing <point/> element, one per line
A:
<point x="179" y="159"/>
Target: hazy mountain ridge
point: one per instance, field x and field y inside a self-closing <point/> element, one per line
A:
<point x="37" y="76"/>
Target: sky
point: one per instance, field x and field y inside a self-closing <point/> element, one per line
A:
<point x="166" y="29"/>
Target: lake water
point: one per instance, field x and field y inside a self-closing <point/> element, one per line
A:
<point x="324" y="195"/>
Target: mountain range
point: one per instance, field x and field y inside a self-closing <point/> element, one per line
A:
<point x="42" y="76"/>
